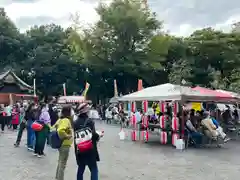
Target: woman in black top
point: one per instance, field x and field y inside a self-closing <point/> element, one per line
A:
<point x="90" y="157"/>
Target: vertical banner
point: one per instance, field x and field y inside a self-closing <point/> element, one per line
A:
<point x="115" y="88"/>
<point x="34" y="87"/>
<point x="86" y="89"/>
<point x="140" y="85"/>
<point x="11" y="99"/>
<point x="64" y="89"/>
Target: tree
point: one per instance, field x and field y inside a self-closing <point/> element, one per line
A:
<point x="49" y="58"/>
<point x="11" y="47"/>
<point x="125" y="44"/>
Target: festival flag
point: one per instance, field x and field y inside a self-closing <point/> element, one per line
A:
<point x="115" y="88"/>
<point x="144" y="103"/>
<point x="34" y="87"/>
<point x="86" y="89"/>
<point x="64" y="89"/>
<point x="140" y="85"/>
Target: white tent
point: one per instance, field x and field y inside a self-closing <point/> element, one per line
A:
<point x="114" y="100"/>
<point x="171" y="92"/>
<point x="236" y="95"/>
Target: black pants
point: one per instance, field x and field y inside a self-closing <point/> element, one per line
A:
<point x="8" y="120"/>
<point x="3" y="122"/>
<point x="20" y="132"/>
<point x="38" y="149"/>
<point x="15" y="126"/>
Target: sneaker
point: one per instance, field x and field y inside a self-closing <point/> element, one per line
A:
<point x="35" y="154"/>
<point x="39" y="156"/>
<point x="227" y="139"/>
<point x="30" y="149"/>
<point x="16" y="144"/>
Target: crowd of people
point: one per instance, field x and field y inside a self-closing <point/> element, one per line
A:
<point x="211" y="123"/>
<point x="71" y="125"/>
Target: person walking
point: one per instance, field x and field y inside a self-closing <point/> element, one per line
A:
<point x="41" y="136"/>
<point x="27" y="123"/>
<point x="87" y="158"/>
<point x="15" y="117"/>
<point x="64" y="130"/>
<point x="22" y="126"/>
<point x="53" y="112"/>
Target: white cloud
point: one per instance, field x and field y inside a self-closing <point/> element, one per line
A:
<point x="57" y="9"/>
<point x="180" y="18"/>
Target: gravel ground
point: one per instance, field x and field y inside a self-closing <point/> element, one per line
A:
<point x="124" y="160"/>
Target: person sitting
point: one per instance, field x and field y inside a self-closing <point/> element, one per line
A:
<point x="227" y="117"/>
<point x="219" y="129"/>
<point x="209" y="127"/>
<point x="195" y="135"/>
<point x="153" y="119"/>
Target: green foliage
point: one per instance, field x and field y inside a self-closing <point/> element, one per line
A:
<point x="127" y="44"/>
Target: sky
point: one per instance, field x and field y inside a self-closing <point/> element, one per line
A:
<point x="180" y="17"/>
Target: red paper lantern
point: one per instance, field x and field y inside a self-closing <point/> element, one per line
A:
<point x="134" y="127"/>
<point x="163" y="137"/>
<point x="163" y="122"/>
<point x="175" y="123"/>
<point x="133" y="106"/>
<point x="145" y="106"/>
<point x="175" y="108"/>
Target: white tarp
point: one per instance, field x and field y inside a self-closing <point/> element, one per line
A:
<point x="171" y="92"/>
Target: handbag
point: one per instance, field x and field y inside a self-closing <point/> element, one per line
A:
<point x="55" y="140"/>
<point x="37" y="126"/>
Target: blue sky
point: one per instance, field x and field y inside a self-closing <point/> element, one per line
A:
<point x="181" y="17"/>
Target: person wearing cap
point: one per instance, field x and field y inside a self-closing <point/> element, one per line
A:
<point x="89" y="158"/>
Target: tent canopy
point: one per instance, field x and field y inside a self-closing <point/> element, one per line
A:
<point x="210" y="91"/>
<point x="172" y="92"/>
<point x="236" y="95"/>
<point x="114" y="100"/>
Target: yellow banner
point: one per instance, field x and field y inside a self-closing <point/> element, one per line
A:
<point x="197" y="106"/>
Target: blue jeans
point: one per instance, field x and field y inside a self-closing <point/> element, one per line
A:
<point x="93" y="169"/>
<point x="30" y="134"/>
<point x="197" y="137"/>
